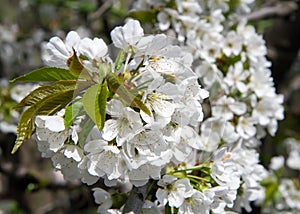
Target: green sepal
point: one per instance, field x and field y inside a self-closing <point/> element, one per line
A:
<point x="116" y="87"/>
<point x="43" y="105"/>
<point x="46" y="74"/>
<point x="72" y="111"/>
<point x="94" y="103"/>
<point x="74" y="64"/>
<point x="119" y="60"/>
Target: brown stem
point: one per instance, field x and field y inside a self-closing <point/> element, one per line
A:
<point x="276" y="10"/>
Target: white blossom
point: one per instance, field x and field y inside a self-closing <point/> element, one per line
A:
<point x="226" y="107"/>
<point x="198" y="203"/>
<point x="128" y="36"/>
<point x="276" y="162"/>
<point x="58" y="52"/>
<point x="174" y="192"/>
<point x="99" y="150"/>
<point x="102" y="198"/>
<point x="125" y="122"/>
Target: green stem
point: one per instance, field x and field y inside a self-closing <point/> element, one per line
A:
<point x="126" y="62"/>
<point x="191" y="169"/>
<point x="198" y="178"/>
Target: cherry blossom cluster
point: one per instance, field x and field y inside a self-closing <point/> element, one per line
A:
<point x="230" y="61"/>
<point x="135" y="146"/>
<point x="170" y="144"/>
<point x="198" y="154"/>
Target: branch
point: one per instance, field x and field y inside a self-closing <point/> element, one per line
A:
<point x="136" y="199"/>
<point x="278" y="9"/>
<point x="98" y="13"/>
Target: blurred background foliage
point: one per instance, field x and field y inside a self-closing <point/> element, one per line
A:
<point x="28" y="183"/>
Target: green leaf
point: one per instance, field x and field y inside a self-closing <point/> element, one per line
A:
<point x="25" y="128"/>
<point x="94" y="103"/>
<point x="143" y="16"/>
<point x="44" y="91"/>
<point x="86" y="126"/>
<point x="168" y="209"/>
<point x="45" y="74"/>
<point x="72" y="111"/>
<point x="271" y="192"/>
<point x="104" y="69"/>
<point x="119" y="199"/>
<point x="44" y="105"/>
<point x="102" y="99"/>
<point x="116" y="87"/>
<point x="224" y="62"/>
<point x="119" y="60"/>
<point x="74" y="64"/>
<point x="271" y="185"/>
<point x="233" y="4"/>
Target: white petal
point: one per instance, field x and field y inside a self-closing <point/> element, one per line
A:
<point x="42" y="134"/>
<point x="53" y="123"/>
<point x="101" y="47"/>
<point x="74" y="152"/>
<point x="95" y="146"/>
<point x="161" y="196"/>
<point x="238" y="108"/>
<point x="167" y="179"/>
<point x="93" y="48"/>
<point x="164" y="22"/>
<point x="163" y="108"/>
<point x="118" y="38"/>
<point x="110" y="130"/>
<point x="114" y="108"/>
<point x="103" y="198"/>
<point x="72" y="40"/>
<point x="57" y="141"/>
<point x="241" y="87"/>
<point x="93" y="168"/>
<point x="133" y="32"/>
<point x="74" y="136"/>
<point x="39" y="122"/>
<point x="110" y="164"/>
<point x="58" y="45"/>
<point x="175" y="199"/>
<point x="191" y="136"/>
<point x="87" y="48"/>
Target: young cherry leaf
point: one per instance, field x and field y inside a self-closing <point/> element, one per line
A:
<point x="119" y="60"/>
<point x="94" y="103"/>
<point x="72" y="111"/>
<point x="45" y="91"/>
<point x="42" y="104"/>
<point x="46" y="74"/>
<point x="116" y="87"/>
<point x="86" y="127"/>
